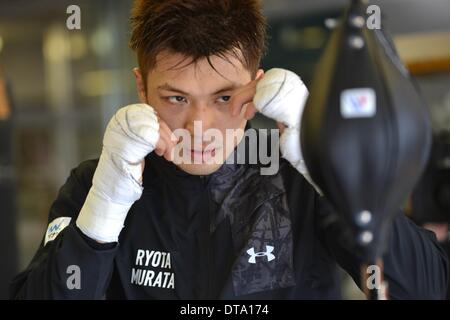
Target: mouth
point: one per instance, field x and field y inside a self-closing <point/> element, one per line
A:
<point x="203" y="155"/>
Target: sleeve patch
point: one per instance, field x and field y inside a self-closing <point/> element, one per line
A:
<point x="55" y="227"/>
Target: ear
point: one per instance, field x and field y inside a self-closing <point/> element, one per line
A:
<point x="259" y="74"/>
<point x="140" y="85"/>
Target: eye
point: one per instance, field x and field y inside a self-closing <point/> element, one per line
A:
<point x="224" y="99"/>
<point x="177" y="99"/>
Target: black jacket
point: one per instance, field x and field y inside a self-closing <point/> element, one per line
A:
<point x="235" y="234"/>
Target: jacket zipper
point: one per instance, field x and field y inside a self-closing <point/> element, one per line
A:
<point x="209" y="257"/>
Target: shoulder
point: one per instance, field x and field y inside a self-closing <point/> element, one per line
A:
<point x="73" y="193"/>
<point x="294" y="181"/>
<point x="84" y="173"/>
<point x="70" y="199"/>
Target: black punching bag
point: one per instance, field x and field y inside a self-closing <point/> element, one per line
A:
<point x="366" y="132"/>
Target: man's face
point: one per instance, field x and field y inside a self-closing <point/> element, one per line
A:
<point x="185" y="95"/>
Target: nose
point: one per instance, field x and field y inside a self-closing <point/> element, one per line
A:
<point x="200" y="114"/>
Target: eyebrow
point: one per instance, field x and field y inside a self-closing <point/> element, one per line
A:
<point x="168" y="87"/>
<point x="231" y="87"/>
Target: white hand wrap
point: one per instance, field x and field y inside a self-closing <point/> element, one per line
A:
<point x="131" y="134"/>
<point x="281" y="95"/>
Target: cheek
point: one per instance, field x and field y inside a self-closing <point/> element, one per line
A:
<point x="224" y="119"/>
<point x="233" y="123"/>
<point x="170" y="115"/>
<point x="234" y="126"/>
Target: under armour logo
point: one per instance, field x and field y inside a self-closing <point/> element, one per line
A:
<point x="267" y="253"/>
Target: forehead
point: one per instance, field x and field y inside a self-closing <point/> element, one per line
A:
<point x="177" y="68"/>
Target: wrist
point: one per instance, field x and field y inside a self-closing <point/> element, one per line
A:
<point x="102" y="219"/>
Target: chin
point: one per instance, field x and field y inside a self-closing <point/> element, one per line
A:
<point x="200" y="169"/>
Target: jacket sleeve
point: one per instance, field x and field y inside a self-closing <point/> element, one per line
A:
<point x="67" y="265"/>
<point x="415" y="265"/>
